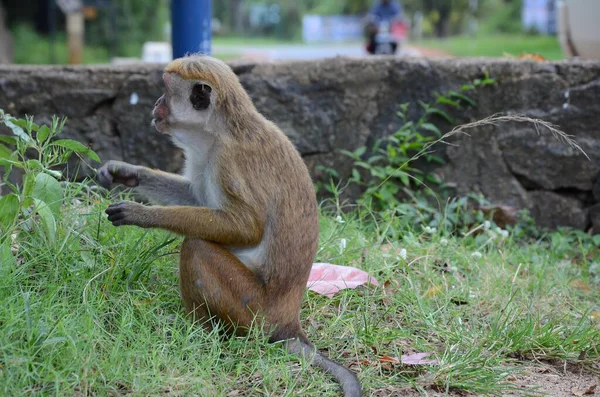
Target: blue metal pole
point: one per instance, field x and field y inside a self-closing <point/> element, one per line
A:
<point x="190" y="27"/>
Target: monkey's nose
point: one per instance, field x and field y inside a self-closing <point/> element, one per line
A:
<point x="160" y="110"/>
<point x="159" y="101"/>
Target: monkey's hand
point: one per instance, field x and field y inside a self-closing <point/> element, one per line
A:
<point x="118" y="172"/>
<point x="129" y="213"/>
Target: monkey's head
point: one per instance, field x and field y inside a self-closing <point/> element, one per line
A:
<point x="201" y="93"/>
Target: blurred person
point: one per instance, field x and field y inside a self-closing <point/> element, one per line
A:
<point x="386" y="11"/>
<point x="383" y="13"/>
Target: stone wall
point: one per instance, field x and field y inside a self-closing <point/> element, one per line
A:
<point x="339" y="103"/>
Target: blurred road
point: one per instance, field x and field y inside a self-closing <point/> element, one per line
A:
<point x="301" y="51"/>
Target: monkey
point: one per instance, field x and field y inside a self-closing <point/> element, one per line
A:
<point x="244" y="204"/>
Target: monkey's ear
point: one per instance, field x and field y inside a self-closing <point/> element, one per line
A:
<point x="200" y="97"/>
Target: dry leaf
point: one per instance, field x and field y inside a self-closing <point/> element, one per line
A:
<point x="581" y="285"/>
<point x="433" y="291"/>
<point x="502" y="215"/>
<point x="406" y="359"/>
<point x="390" y="250"/>
<point x="389" y="288"/>
<point x="588" y="391"/>
<point x="327" y="279"/>
<point x="418" y="359"/>
<point x="532" y="57"/>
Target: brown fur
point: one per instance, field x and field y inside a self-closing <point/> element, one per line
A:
<point x="262" y="196"/>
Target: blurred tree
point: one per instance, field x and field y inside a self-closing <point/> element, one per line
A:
<point x="6" y="50"/>
<point x="236" y="15"/>
<point x="33" y="12"/>
<point x="128" y="25"/>
<point x="442" y="10"/>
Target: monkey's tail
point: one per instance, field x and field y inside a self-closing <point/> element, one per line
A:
<point x="348" y="381"/>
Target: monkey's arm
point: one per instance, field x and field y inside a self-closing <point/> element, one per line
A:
<point x="237" y="227"/>
<point x="166" y="189"/>
<point x="158" y="186"/>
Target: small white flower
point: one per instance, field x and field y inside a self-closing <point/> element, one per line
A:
<point x="403" y="254"/>
<point x="339" y="219"/>
<point x="343" y="243"/>
<point x="443" y="242"/>
<point x="486" y="225"/>
<point x="476" y="255"/>
<point x="504" y="233"/>
<point x="429" y="229"/>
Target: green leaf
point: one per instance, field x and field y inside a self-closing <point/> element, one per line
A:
<point x="77" y="147"/>
<point x="47" y="219"/>
<point x="596" y="240"/>
<point x="7" y="259"/>
<point x="404" y="178"/>
<point x="441" y="113"/>
<point x="374" y="159"/>
<point x="21" y="123"/>
<point x="464" y="98"/>
<point x="35" y="165"/>
<point x="48" y="190"/>
<point x="355" y="175"/>
<point x="18" y="131"/>
<point x="28" y="186"/>
<point x="11" y="140"/>
<point x="9" y="209"/>
<point x="362" y="164"/>
<point x="43" y="134"/>
<point x="447" y="101"/>
<point x="432" y="128"/>
<point x="54" y="173"/>
<point x="360" y="151"/>
<point x="6" y="162"/>
<point x="5" y="152"/>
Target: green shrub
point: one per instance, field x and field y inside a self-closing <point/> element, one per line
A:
<point x="39" y="196"/>
<point x="388" y="164"/>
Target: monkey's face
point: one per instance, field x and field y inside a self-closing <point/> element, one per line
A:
<point x="185" y="105"/>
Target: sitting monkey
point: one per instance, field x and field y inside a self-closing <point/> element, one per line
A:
<point x="245" y="205"/>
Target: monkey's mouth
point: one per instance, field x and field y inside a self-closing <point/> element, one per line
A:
<point x="160" y="124"/>
<point x="157" y="123"/>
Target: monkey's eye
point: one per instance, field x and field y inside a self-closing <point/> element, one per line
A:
<point x="200" y="97"/>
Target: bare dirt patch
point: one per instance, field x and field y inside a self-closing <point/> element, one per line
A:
<point x="556" y="381"/>
<point x="539" y="380"/>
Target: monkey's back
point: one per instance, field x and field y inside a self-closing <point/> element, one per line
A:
<point x="278" y="182"/>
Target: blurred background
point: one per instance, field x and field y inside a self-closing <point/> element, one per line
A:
<point x="117" y="31"/>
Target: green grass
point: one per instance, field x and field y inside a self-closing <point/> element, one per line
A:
<point x="31" y="48"/>
<point x="250" y="41"/>
<point x="497" y="45"/>
<point x="91" y="309"/>
<point x="97" y="311"/>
